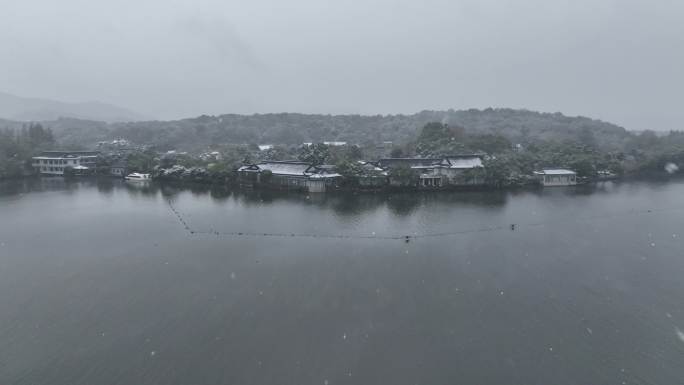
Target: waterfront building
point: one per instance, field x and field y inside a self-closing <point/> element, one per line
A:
<point x="54" y="162"/>
<point x="556" y="177"/>
<point x="119" y="170"/>
<point x="453" y="170"/>
<point x="371" y="175"/>
<point x="289" y="175"/>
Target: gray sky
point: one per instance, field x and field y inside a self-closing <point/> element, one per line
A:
<point x="617" y="60"/>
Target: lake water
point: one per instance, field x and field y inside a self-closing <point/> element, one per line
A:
<point x="104" y="282"/>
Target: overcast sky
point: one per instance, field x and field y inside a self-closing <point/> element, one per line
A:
<point x="616" y="60"/>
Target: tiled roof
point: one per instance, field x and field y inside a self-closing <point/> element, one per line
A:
<point x="285" y="168"/>
<point x="464" y="161"/>
<point x="411" y="162"/>
<point x="66" y="154"/>
<point x="555" y="171"/>
<point x="323" y="176"/>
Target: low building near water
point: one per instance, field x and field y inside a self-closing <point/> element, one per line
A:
<point x="425" y="169"/>
<point x="453" y="170"/>
<point x="289" y="175"/>
<point x="371" y="176"/>
<point x="465" y="170"/>
<point x="556" y="177"/>
<point x="54" y="162"/>
<point x="119" y="170"/>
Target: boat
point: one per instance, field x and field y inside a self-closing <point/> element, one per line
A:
<point x="137" y="177"/>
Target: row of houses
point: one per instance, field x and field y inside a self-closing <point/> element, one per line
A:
<point x="459" y="170"/>
<point x="426" y="173"/>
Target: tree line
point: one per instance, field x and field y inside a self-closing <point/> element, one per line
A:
<point x="516" y="142"/>
<point x="17" y="146"/>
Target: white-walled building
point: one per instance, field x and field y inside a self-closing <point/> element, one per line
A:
<point x="452" y="170"/>
<point x="556" y="177"/>
<point x="54" y="162"/>
<point x="291" y="175"/>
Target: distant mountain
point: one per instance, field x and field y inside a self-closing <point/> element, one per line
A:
<point x="198" y="133"/>
<point x="34" y="109"/>
<point x="519" y="126"/>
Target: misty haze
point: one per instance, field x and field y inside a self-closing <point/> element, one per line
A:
<point x="313" y="192"/>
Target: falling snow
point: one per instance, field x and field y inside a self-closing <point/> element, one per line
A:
<point x="680" y="334"/>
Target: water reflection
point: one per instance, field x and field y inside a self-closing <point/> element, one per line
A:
<point x="400" y="204"/>
<point x="343" y="204"/>
<point x="403" y="204"/>
<point x="141" y="188"/>
<point x="590" y="275"/>
<point x="105" y="186"/>
<point x="220" y="193"/>
<point x="22" y="186"/>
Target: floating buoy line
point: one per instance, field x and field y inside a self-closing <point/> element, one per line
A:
<point x="405" y="238"/>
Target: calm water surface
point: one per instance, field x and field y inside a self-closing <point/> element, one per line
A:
<point x="101" y="283"/>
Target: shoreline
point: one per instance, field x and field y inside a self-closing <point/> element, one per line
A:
<point x="391" y="190"/>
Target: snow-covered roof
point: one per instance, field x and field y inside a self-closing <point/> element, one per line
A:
<point x="411" y="162"/>
<point x="65" y="154"/>
<point x="323" y="176"/>
<point x="368" y="166"/>
<point x="293" y="168"/>
<point x="326" y="143"/>
<point x="264" y="147"/>
<point x="285" y="168"/>
<point x="464" y="162"/>
<point x="555" y="171"/>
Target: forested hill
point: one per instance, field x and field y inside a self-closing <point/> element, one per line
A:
<point x="291" y="128"/>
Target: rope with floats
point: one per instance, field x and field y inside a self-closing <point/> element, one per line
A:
<point x="405" y="238"/>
